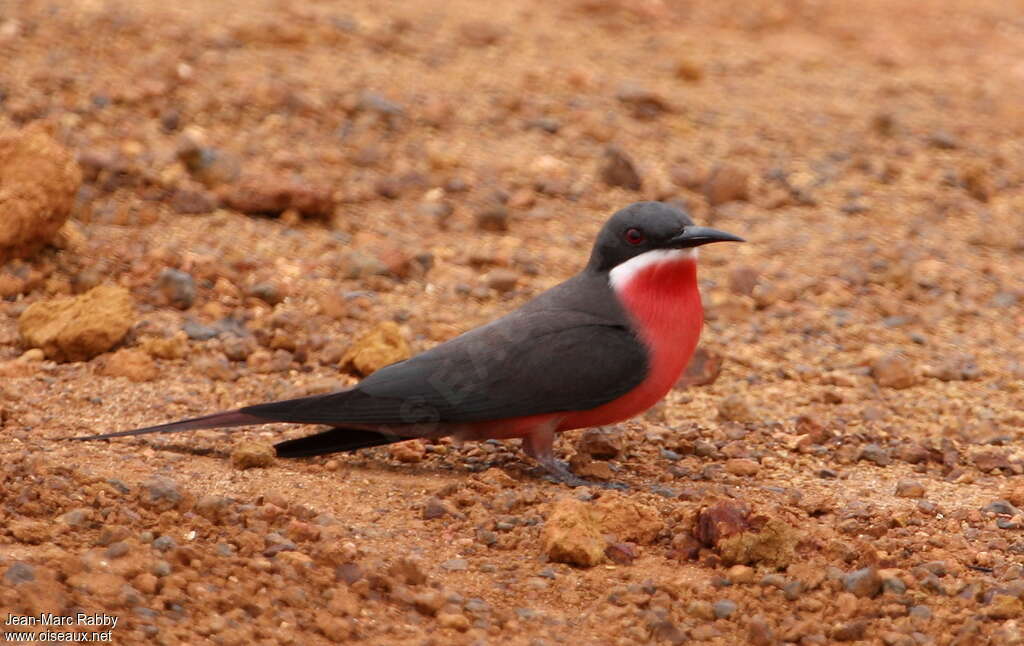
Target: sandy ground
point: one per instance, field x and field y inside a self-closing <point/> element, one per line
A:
<point x="852" y="474"/>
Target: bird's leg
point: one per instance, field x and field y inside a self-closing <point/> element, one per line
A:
<point x="539" y="445"/>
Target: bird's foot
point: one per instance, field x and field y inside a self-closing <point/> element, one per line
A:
<point x="558" y="471"/>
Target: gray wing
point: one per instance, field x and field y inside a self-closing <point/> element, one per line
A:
<point x="527" y="363"/>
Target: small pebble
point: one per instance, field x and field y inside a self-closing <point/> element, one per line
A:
<point x="724" y="608"/>
<point x="177" y="287"/>
<point x="910" y="489"/>
<point x="250" y="454"/>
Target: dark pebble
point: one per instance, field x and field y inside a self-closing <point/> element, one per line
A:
<point x="724" y="608"/>
<point x="19" y="572"/>
<point x="164" y="543"/>
<point x="178" y="287"/>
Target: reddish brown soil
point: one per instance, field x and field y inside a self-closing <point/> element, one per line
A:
<point x="870" y="331"/>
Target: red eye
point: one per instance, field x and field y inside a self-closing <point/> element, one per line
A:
<point x="634" y="236"/>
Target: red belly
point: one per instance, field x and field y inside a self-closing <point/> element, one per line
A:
<point x="664" y="302"/>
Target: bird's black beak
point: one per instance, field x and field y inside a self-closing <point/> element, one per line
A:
<point x="694" y="236"/>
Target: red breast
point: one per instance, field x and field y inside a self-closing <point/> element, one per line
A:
<point x="658" y="289"/>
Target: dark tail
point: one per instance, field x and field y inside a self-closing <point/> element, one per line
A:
<point x="330" y="441"/>
<point x="217" y="420"/>
<point x="333" y="441"/>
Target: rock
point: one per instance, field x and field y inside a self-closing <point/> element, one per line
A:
<point x="688" y="70"/>
<point x="164" y="543"/>
<point x="724" y="608"/>
<point x="743" y="280"/>
<point x="1001" y="507"/>
<point x="600" y="443"/>
<point x="893" y="371"/>
<point x="741" y="574"/>
<point x="172" y="347"/>
<point x="19" y="572"/>
<point x="238" y="348"/>
<point x="959" y="368"/>
<point x="409" y="571"/>
<point x="162" y="492"/>
<point x="77" y="328"/>
<point x="192" y="202"/>
<point x="623" y="553"/>
<point x="772" y="543"/>
<point x="33" y="532"/>
<point x="582" y="465"/>
<point x="863" y="583"/>
<point x="913" y="453"/>
<point x="619" y="170"/>
<point x="743" y="538"/>
<point x="410" y="451"/>
<point x="198" y="331"/>
<point x="943" y="140"/>
<point x="264" y="362"/>
<point x="703" y="369"/>
<point x="336" y="629"/>
<point x="719" y="521"/>
<point x="502" y="280"/>
<point x="726" y="183"/>
<point x="571" y="534"/>
<point x="393" y="187"/>
<point x="759" y="633"/>
<point x="269" y="293"/>
<point x="435" y="508"/>
<point x="1013" y="494"/>
<point x="850" y="631"/>
<point x="876" y="454"/>
<point x="736" y="408"/>
<point x="545" y="124"/>
<point x="440" y="213"/>
<point x="210" y="166"/>
<point x="132" y="363"/>
<point x="455" y="565"/>
<point x="627" y="519"/>
<point x="910" y="489"/>
<point x="454" y="620"/>
<point x="212" y="508"/>
<point x="891" y="581"/>
<point x="380" y="105"/>
<point x="742" y="467"/>
<point x="495" y="477"/>
<point x="271" y="195"/>
<point x="884" y="123"/>
<point x="1004" y="606"/>
<point x="358" y="264"/>
<point x="248" y="454"/>
<point x="977" y="182"/>
<point x="700" y="609"/>
<point x="988" y="461"/>
<point x="38" y="183"/>
<point x="177" y="288"/>
<point x="688" y="176"/>
<point x="381" y="346"/>
<point x="644" y="103"/>
<point x="215" y="367"/>
<point x="492" y="218"/>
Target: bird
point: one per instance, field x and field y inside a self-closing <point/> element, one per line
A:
<point x="597" y="349"/>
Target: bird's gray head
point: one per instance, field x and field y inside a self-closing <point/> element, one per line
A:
<point x="649" y="226"/>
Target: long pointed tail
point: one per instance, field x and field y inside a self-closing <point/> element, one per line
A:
<point x="217" y="420"/>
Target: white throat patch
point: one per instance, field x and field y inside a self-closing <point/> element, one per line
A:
<point x="621" y="275"/>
